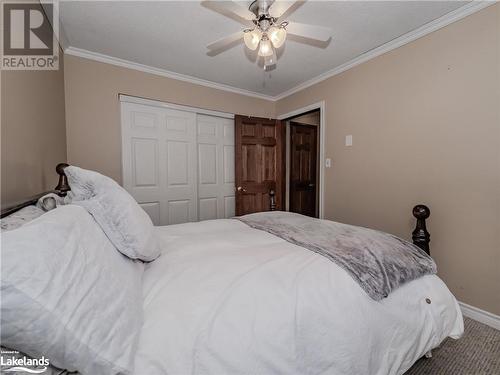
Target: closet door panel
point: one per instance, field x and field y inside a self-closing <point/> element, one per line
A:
<point x="145" y="162"/>
<point x="207" y="180"/>
<point x="159" y="161"/>
<point x="178" y="165"/>
<point x="153" y="210"/>
<point x="229" y="206"/>
<point x="178" y="211"/>
<point x="140" y="156"/>
<point x="208" y="208"/>
<point x="179" y="204"/>
<point x="215" y="137"/>
<point x="207" y="164"/>
<point x="208" y="134"/>
<point x="226" y="173"/>
<point x="228" y="164"/>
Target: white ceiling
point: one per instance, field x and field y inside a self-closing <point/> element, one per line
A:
<point x="172" y="35"/>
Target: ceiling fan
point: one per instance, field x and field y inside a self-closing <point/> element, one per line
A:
<point x="267" y="27"/>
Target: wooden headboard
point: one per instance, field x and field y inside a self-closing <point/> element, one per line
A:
<point x="61" y="189"/>
<point x="420" y="235"/>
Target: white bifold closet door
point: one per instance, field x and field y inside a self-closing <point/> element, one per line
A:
<point x="179" y="165"/>
<point x="215" y="141"/>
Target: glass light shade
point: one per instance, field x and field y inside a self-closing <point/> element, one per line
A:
<point x="252" y="39"/>
<point x="277" y="35"/>
<point x="266" y="48"/>
<point x="270" y="60"/>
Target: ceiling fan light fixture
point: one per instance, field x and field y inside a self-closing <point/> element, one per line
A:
<point x="266" y="48"/>
<point x="277" y="35"/>
<point x="267" y="28"/>
<point x="251" y="38"/>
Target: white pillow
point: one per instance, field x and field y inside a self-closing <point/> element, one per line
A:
<point x="69" y="296"/>
<point x="49" y="201"/>
<point x="126" y="224"/>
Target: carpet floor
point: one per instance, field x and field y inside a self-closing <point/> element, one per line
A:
<point x="476" y="353"/>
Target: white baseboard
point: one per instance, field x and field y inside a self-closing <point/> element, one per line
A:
<point x="479" y="315"/>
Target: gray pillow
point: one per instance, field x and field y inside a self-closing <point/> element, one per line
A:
<point x="125" y="223"/>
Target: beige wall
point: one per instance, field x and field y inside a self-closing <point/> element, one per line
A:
<point x="33" y="132"/>
<point x="426" y="129"/>
<point x="93" y="109"/>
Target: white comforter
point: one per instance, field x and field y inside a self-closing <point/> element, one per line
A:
<point x="227" y="299"/>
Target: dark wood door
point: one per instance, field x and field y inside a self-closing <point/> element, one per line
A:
<point x="259" y="163"/>
<point x="303" y="148"/>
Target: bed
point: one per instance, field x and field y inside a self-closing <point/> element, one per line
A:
<point x="224" y="297"/>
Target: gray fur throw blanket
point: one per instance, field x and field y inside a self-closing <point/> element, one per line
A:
<point x="379" y="262"/>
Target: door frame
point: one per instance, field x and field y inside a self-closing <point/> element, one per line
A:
<point x="322" y="125"/>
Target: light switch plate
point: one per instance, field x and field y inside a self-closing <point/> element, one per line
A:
<point x="328" y="162"/>
<point x="348" y="140"/>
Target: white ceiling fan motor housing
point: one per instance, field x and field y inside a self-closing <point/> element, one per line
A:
<point x="260" y="7"/>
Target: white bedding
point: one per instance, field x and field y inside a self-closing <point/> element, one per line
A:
<point x="227" y="299"/>
<point x="68" y="295"/>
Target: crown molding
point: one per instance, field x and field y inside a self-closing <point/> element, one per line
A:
<point x="161" y="72"/>
<point x="438" y="23"/>
<point x="445" y="20"/>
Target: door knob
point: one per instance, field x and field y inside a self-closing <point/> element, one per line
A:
<point x="241" y="189"/>
<point x="311" y="185"/>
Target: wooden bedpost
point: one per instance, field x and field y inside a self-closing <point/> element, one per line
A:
<point x="62" y="187"/>
<point x="420" y="235"/>
<point x="272" y="200"/>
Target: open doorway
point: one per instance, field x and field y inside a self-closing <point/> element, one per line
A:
<point x="302" y="191"/>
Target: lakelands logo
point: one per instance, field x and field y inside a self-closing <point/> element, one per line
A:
<point x="30" y="35"/>
<point x="11" y="361"/>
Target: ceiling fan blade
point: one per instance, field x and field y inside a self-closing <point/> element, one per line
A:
<point x="227" y="41"/>
<point x="230" y="9"/>
<point x="309" y="31"/>
<point x="282" y="9"/>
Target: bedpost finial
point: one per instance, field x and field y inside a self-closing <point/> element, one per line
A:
<point x="62" y="187"/>
<point x="421" y="211"/>
<point x="420" y="235"/>
<point x="60" y="168"/>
